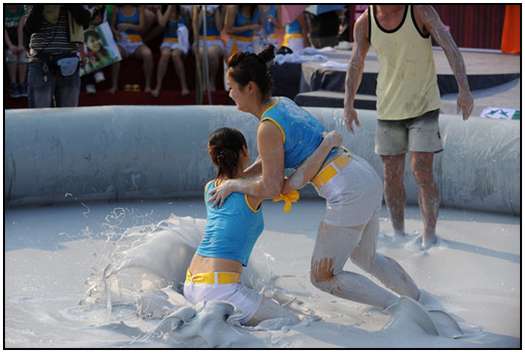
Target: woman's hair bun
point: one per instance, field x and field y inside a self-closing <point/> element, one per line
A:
<point x="267" y="55"/>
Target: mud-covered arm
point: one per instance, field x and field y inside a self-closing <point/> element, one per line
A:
<point x="306" y="171"/>
<point x="433" y="24"/>
<point x="354" y="73"/>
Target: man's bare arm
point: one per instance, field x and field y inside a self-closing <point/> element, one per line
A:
<point x="355" y="70"/>
<point x="433" y="24"/>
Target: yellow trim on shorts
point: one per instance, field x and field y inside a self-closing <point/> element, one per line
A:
<point x="134" y="37"/>
<point x="241" y="38"/>
<point x="213" y="278"/>
<point x="170" y="40"/>
<point x="329" y="171"/>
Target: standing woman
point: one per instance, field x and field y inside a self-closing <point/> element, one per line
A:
<point x="286" y="136"/>
<point x="296" y="36"/>
<point x="232" y="230"/>
<point x="126" y="24"/>
<point x="212" y="38"/>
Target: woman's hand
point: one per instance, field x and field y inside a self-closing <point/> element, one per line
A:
<point x="221" y="193"/>
<point x="332" y="139"/>
<point x="122" y="27"/>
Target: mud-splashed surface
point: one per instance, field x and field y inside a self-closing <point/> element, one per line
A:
<point x="108" y="275"/>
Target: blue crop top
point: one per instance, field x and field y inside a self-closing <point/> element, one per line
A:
<point x="302" y="132"/>
<point x="133" y="19"/>
<point x="241" y="20"/>
<point x="231" y="230"/>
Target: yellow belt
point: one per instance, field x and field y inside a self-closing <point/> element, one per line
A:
<point x="213" y="278"/>
<point x="134" y="37"/>
<point x="331" y="169"/>
<point x="242" y="38"/>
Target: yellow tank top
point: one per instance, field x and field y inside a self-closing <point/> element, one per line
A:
<point x="407" y="81"/>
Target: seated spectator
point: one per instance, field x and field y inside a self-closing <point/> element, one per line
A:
<point x="296" y="34"/>
<point x="16" y="56"/>
<point x="241" y="23"/>
<point x="211" y="39"/>
<point x="54" y="34"/>
<point x="174" y="45"/>
<point x="127" y="22"/>
<point x="271" y="16"/>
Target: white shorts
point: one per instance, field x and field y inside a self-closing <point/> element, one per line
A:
<point x="211" y="43"/>
<point x="175" y="45"/>
<point x="129" y="46"/>
<point x="245" y="300"/>
<point x="353" y="195"/>
<point x="233" y="46"/>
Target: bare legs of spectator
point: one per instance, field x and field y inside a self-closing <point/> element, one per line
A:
<point x="214" y="60"/>
<point x="12" y="70"/>
<point x="176" y="55"/>
<point x="115" y="70"/>
<point x="162" y="67"/>
<point x="144" y="53"/>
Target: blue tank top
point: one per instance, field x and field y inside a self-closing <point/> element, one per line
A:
<point x="269" y="27"/>
<point x="133" y="19"/>
<point x="231" y="230"/>
<point x="241" y="20"/>
<point x="302" y="132"/>
<point x="171" y="28"/>
<point x="292" y="28"/>
<point x="211" y="26"/>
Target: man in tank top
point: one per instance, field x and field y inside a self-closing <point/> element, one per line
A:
<point x="408" y="100"/>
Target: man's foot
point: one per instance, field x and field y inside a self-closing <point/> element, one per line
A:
<point x="428" y="241"/>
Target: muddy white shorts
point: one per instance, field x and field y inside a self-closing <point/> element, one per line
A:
<point x="353" y="192"/>
<point x="245" y="300"/>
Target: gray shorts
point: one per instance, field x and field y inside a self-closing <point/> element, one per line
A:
<point x="419" y="134"/>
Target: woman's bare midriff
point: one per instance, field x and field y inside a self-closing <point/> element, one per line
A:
<point x="202" y="264"/>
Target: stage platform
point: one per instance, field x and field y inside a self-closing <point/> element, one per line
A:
<point x="493" y="77"/>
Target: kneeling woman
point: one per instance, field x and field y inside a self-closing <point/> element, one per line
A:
<point x="232" y="230"/>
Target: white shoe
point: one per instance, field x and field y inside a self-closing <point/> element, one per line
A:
<point x="99" y="77"/>
<point x="91" y="89"/>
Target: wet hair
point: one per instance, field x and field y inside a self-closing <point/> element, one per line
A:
<point x="225" y="146"/>
<point x="248" y="67"/>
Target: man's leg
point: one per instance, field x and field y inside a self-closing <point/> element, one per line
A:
<point x="395" y="198"/>
<point x="428" y="197"/>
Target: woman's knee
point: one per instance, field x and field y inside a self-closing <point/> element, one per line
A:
<point x="322" y="273"/>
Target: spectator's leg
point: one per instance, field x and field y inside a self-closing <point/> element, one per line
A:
<point x="161" y="70"/>
<point x="67" y="90"/>
<point x="40" y="91"/>
<point x="214" y="59"/>
<point x="144" y="53"/>
<point x="115" y="70"/>
<point x="176" y="54"/>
